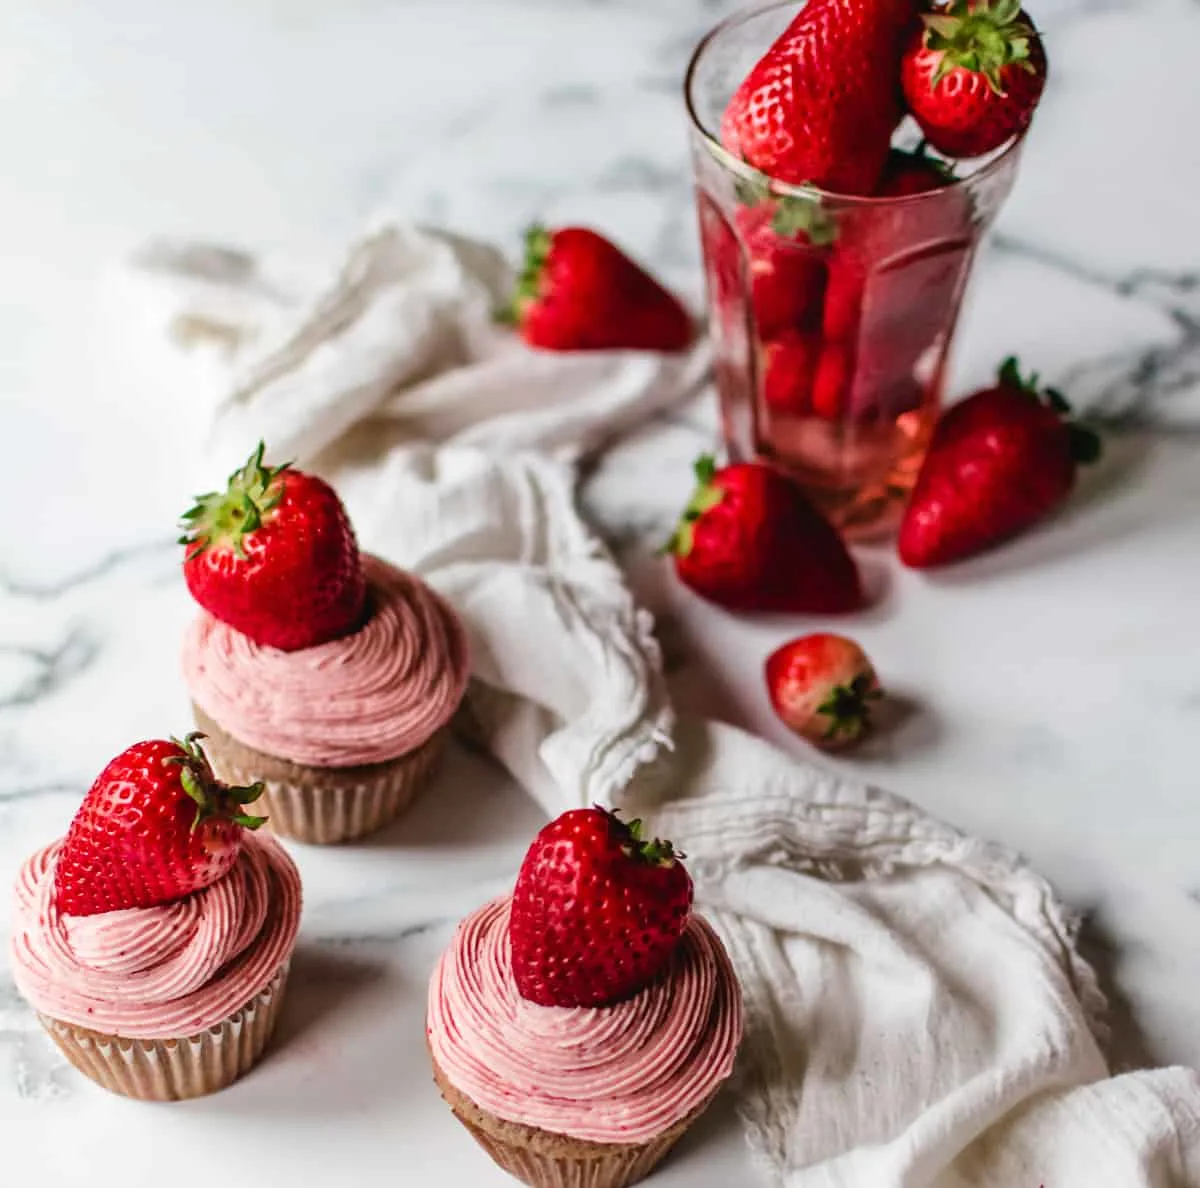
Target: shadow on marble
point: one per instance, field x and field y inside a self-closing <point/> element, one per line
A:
<point x="1079" y="527"/>
<point x="904" y="726"/>
<point x="1128" y="1047"/>
<point x="463" y="808"/>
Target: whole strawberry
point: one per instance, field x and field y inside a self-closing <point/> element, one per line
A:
<point x="822" y="687"/>
<point x="972" y="74"/>
<point x="750" y="540"/>
<point x="821" y="104"/>
<point x="999" y="461"/>
<point x="580" y="292"/>
<point x="154" y="827"/>
<point x="597" y="912"/>
<point x="274" y="556"/>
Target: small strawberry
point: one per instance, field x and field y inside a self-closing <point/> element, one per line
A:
<point x="274" y="556"/>
<point x="821" y="104"/>
<point x="580" y="292"/>
<point x="750" y="540"/>
<point x="822" y="687"/>
<point x="972" y="74"/>
<point x="788" y="365"/>
<point x="154" y="827"/>
<point x="831" y="384"/>
<point x="597" y="912"/>
<point x="781" y="238"/>
<point x="999" y="461"/>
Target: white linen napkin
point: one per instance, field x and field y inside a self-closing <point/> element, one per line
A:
<point x="918" y="1016"/>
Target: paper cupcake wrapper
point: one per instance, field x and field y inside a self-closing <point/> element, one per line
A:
<point x="175" y="1069"/>
<point x="323" y="805"/>
<point x="615" y="1170"/>
<point x="545" y="1160"/>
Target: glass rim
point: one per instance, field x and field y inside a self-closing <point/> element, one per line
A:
<point x="806" y="190"/>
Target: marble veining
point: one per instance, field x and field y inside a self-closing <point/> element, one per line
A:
<point x="1046" y="694"/>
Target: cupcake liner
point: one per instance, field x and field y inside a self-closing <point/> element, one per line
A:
<point x="175" y="1069"/>
<point x="323" y="805"/>
<point x="543" y="1159"/>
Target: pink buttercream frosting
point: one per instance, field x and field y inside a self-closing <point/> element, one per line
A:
<point x="365" y="698"/>
<point x="616" y="1074"/>
<point x="163" y="972"/>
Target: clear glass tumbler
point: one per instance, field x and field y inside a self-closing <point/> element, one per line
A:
<point x="832" y="316"/>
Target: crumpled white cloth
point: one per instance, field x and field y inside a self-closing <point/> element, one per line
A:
<point x="918" y="1016"/>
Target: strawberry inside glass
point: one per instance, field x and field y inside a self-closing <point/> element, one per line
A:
<point x="832" y="313"/>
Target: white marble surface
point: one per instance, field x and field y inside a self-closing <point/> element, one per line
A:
<point x="1050" y="692"/>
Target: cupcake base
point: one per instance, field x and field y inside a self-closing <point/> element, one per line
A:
<point x="322" y="805"/>
<point x="175" y="1069"/>
<point x="543" y="1159"/>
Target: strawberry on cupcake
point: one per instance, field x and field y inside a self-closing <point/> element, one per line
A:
<point x="326" y="674"/>
<point x="154" y="939"/>
<point x="578" y="1026"/>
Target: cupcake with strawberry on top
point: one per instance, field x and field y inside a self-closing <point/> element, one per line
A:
<point x="327" y="674"/>
<point x="580" y="1025"/>
<point x="154" y="939"/>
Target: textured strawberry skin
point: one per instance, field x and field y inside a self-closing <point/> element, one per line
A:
<point x="591" y="296"/>
<point x="765" y="547"/>
<point x="821" y="104"/>
<point x="997" y="463"/>
<point x="132" y="842"/>
<point x="819" y="686"/>
<point x="960" y="114"/>
<point x="590" y="924"/>
<point x="301" y="580"/>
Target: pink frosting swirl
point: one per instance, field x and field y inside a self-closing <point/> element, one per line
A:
<point x="163" y="972"/>
<point x="365" y="698"/>
<point x="617" y="1074"/>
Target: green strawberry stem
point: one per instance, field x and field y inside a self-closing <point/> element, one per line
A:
<point x="848" y="708"/>
<point x="706" y="496"/>
<point x="538" y="241"/>
<point x="1086" y="445"/>
<point x="793" y="215"/>
<point x="224" y="518"/>
<point x="655" y="852"/>
<point x="983" y="36"/>
<point x="213" y="798"/>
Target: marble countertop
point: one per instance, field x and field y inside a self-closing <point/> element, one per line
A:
<point x="1047" y="694"/>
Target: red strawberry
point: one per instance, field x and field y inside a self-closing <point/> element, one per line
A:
<point x="972" y="75"/>
<point x="154" y="827"/>
<point x="274" y="556"/>
<point x="844" y="294"/>
<point x="580" y="292"/>
<point x="789" y="362"/>
<point x="821" y="104"/>
<point x="831" y="385"/>
<point x="822" y="687"/>
<point x="750" y="540"/>
<point x="998" y="462"/>
<point x="912" y="173"/>
<point x="787" y="274"/>
<point x="597" y="912"/>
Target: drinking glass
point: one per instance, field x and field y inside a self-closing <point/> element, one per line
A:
<point x="832" y="316"/>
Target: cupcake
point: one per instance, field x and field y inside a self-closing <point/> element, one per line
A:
<point x="579" y="1026"/>
<point x="154" y="939"/>
<point x="328" y="675"/>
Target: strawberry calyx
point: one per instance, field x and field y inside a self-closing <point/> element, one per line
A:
<point x="981" y="36"/>
<point x="655" y="852"/>
<point x="538" y="242"/>
<point x="848" y="708"/>
<point x="1086" y="446"/>
<point x="223" y="519"/>
<point x="705" y="497"/>
<point x="794" y="216"/>
<point x="213" y="798"/>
